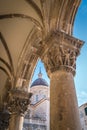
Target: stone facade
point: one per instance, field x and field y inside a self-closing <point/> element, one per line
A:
<point x="37" y="117"/>
<point x="83" y="116"/>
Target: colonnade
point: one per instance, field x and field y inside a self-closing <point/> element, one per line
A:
<point x="60" y="63"/>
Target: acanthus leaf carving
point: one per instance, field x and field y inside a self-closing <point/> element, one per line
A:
<point x="60" y="57"/>
<point x="18" y="101"/>
<point x="61" y="52"/>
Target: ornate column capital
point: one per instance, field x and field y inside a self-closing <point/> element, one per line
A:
<point x="61" y="52"/>
<point x="18" y="101"/>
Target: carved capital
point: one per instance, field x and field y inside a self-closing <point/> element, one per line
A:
<point x="61" y="53"/>
<point x="18" y="101"/>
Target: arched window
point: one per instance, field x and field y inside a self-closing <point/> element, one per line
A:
<point x="36" y="98"/>
<point x="44" y="96"/>
<point x="86" y="111"/>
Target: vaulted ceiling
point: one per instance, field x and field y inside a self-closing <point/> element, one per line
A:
<point x="24" y="24"/>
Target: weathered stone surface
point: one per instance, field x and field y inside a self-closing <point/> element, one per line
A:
<point x="17" y="103"/>
<point x="50" y="25"/>
<point x="63" y="108"/>
<point x="61" y="52"/>
<point x="16" y="122"/>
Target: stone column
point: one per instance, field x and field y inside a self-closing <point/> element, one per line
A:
<point x="16" y="122"/>
<point x="60" y="62"/>
<point x="18" y="104"/>
<point x="64" y="108"/>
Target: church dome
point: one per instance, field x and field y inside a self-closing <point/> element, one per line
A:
<point x="39" y="81"/>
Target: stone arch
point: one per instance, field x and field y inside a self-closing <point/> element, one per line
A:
<point x="28" y="58"/>
<point x="51" y="19"/>
<point x="49" y="22"/>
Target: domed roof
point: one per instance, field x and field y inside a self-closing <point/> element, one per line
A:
<point x="39" y="81"/>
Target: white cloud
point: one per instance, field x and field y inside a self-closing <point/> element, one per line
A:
<point x="82" y="97"/>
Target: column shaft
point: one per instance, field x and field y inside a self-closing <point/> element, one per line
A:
<point x="63" y="102"/>
<point x="16" y="122"/>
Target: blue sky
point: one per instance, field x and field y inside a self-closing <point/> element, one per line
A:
<point x="79" y="31"/>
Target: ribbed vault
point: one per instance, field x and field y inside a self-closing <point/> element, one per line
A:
<point x="24" y="26"/>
